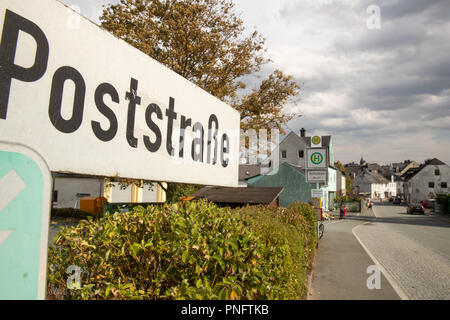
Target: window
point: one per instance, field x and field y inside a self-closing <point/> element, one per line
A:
<point x="283" y="154"/>
<point x="443" y="184"/>
<point x="301" y="153"/>
<point x="431" y="184"/>
<point x="436" y="172"/>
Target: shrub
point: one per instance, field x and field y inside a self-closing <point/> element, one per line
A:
<point x="189" y="250"/>
<point x="343" y="199"/>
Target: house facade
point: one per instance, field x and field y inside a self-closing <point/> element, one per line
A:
<point x="292" y="150"/>
<point x="425" y="182"/>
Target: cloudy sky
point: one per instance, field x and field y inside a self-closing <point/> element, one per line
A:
<point x="374" y="74"/>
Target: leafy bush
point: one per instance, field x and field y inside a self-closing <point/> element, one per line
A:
<point x="188" y="250"/>
<point x="343" y="199"/>
<point x="442" y="198"/>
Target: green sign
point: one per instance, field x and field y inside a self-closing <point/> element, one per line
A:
<point x="25" y="186"/>
<point x="315" y="140"/>
<point x="316" y="158"/>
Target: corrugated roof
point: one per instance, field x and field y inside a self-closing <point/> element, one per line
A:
<point x="251" y="195"/>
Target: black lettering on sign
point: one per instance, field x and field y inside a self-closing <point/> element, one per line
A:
<point x="171" y="115"/>
<point x="225" y="150"/>
<point x="198" y="142"/>
<point x="14" y="23"/>
<point x="100" y="92"/>
<point x="212" y="119"/>
<point x="56" y="95"/>
<point x="153" y="146"/>
<point x="183" y="125"/>
<point x="134" y="100"/>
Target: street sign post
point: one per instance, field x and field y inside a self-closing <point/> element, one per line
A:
<point x="25" y="189"/>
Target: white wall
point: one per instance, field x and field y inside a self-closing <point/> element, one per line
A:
<point x="115" y="193"/>
<point x="379" y="190"/>
<point x="70" y="189"/>
<point x="292" y="145"/>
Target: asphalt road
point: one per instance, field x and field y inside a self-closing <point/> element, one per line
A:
<point x="411" y="251"/>
<point x="341" y="264"/>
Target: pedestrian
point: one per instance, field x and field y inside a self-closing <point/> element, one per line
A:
<point x="345" y="211"/>
<point x="341" y="212"/>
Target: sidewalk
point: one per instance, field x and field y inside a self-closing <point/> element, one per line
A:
<point x="340" y="267"/>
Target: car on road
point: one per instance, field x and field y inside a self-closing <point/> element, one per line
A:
<point x="415" y="207"/>
<point x="397" y="201"/>
<point x="429" y="204"/>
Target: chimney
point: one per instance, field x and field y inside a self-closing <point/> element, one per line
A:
<point x="302" y="132"/>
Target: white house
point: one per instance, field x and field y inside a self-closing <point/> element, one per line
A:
<point x="373" y="184"/>
<point x="426" y="181"/>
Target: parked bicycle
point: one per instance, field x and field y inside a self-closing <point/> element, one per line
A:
<point x="320" y="225"/>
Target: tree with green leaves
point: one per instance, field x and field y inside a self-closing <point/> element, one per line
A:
<point x="206" y="42"/>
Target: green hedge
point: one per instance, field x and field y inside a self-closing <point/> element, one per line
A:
<point x="187" y="250"/>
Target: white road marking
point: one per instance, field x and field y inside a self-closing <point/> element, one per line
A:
<point x="11" y="185"/>
<point x="397" y="288"/>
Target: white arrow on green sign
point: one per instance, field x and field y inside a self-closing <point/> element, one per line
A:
<point x="25" y="190"/>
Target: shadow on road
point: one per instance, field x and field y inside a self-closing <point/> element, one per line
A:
<point x="403" y="218"/>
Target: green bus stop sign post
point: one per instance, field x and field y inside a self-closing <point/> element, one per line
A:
<point x="25" y="196"/>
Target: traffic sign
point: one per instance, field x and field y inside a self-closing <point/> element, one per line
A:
<point x="25" y="189"/>
<point x="316" y="158"/>
<point x="316" y="141"/>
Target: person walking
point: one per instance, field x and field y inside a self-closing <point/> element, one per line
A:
<point x="345" y="211"/>
<point x="341" y="212"/>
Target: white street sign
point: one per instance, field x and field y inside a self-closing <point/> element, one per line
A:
<point x="317" y="176"/>
<point x="89" y="103"/>
<point x="317" y="193"/>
